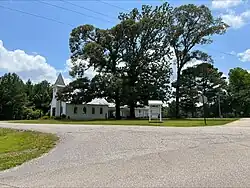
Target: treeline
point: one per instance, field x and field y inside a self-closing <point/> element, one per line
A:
<point x="226" y="97"/>
<point x="19" y="100"/>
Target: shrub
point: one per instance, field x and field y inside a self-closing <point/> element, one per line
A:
<point x="58" y="118"/>
<point x="46" y="117"/>
<point x="29" y="113"/>
<point x="63" y="116"/>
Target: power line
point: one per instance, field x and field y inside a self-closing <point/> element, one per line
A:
<point x="226" y="53"/>
<point x="38" y="16"/>
<point x="63" y="8"/>
<point x="104" y="2"/>
<point x="102" y="14"/>
<point x="63" y="23"/>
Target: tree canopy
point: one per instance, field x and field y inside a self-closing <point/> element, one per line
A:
<point x="130" y="58"/>
<point x="20" y="100"/>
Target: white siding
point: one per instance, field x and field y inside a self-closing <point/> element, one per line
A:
<point x="63" y="108"/>
<point x="56" y="104"/>
<point x="53" y="102"/>
<point x="140" y="113"/>
<point x="80" y="114"/>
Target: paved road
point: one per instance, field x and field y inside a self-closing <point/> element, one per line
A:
<point x="117" y="156"/>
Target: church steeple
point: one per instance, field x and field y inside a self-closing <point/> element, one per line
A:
<point x="59" y="80"/>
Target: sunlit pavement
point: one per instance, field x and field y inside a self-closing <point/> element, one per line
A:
<point x="120" y="156"/>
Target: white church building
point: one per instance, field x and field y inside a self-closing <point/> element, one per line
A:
<point x="96" y="109"/>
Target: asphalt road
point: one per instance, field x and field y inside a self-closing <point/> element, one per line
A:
<point x="118" y="156"/>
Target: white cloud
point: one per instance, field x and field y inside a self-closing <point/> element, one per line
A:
<point x="244" y="56"/>
<point x="172" y="60"/>
<point x="246" y="14"/>
<point x="90" y="73"/>
<point x="191" y="63"/>
<point x="233" y="53"/>
<point x="28" y="66"/>
<point x="225" y="3"/>
<point x="236" y="21"/>
<point x="226" y="76"/>
<point x="67" y="80"/>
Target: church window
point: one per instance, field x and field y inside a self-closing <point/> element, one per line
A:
<point x="84" y="110"/>
<point x="75" y="110"/>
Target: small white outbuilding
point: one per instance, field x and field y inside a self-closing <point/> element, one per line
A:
<point x="154" y="110"/>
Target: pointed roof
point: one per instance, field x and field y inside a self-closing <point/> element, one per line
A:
<point x="59" y="80"/>
<point x="99" y="101"/>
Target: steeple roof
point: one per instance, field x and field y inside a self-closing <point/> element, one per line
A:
<point x="59" y="80"/>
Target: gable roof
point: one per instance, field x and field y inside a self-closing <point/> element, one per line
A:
<point x="59" y="80"/>
<point x="98" y="101"/>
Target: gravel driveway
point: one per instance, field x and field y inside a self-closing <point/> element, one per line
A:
<point x="119" y="156"/>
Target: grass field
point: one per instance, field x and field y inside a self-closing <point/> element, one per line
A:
<point x="168" y="122"/>
<point x="18" y="146"/>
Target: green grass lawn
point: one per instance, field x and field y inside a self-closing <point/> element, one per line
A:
<point x="168" y="122"/>
<point x="18" y="146"/>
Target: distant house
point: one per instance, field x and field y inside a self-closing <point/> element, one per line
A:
<point x="96" y="109"/>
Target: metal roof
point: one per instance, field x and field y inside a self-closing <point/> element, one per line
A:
<point x="98" y="101"/>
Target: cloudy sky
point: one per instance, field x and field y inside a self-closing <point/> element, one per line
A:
<point x="35" y="45"/>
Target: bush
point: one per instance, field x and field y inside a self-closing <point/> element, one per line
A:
<point x="63" y="116"/>
<point x="58" y="118"/>
<point x="29" y="113"/>
<point x="46" y="117"/>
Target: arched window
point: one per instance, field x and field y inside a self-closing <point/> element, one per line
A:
<point x="84" y="110"/>
<point x="75" y="110"/>
<point x="101" y="110"/>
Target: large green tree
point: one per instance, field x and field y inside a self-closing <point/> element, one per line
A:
<point x="41" y="96"/>
<point x="192" y="26"/>
<point x="210" y="83"/>
<point x="188" y="91"/>
<point x="12" y="96"/>
<point x="202" y="79"/>
<point x="77" y="92"/>
<point x="239" y="90"/>
<point x="146" y="54"/>
<point x="103" y="51"/>
<point x="130" y="58"/>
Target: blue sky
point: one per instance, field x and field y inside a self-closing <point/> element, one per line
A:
<point x="38" y="49"/>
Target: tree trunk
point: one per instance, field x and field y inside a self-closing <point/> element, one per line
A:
<point x="177" y="97"/>
<point x="132" y="110"/>
<point x="204" y="110"/>
<point x="117" y="108"/>
<point x="193" y="107"/>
